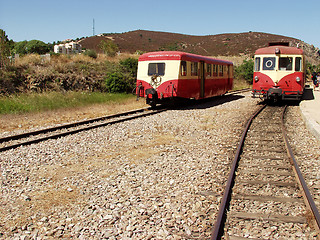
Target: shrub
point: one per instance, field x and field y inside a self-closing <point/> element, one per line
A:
<point x="91" y="53"/>
<point x="109" y="48"/>
<point x="245" y="71"/>
<point x="115" y="82"/>
<point x="131" y="65"/>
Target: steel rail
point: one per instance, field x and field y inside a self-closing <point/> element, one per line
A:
<point x="68" y="125"/>
<point x="302" y="183"/>
<point x="55" y="136"/>
<point x="219" y="224"/>
<point x="239" y="91"/>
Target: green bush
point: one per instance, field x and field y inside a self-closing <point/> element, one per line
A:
<point x="123" y="78"/>
<point x="109" y="48"/>
<point x="115" y="82"/>
<point x="245" y="71"/>
<point x="91" y="53"/>
<point x="130" y="65"/>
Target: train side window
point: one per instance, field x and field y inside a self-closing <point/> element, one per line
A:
<point x="209" y="70"/>
<point x="257" y="64"/>
<point x="215" y="70"/>
<point x="183" y="68"/>
<point x="269" y="63"/>
<point x="298" y="64"/>
<point x="285" y="63"/>
<point x="156" y="69"/>
<point x="194" y="69"/>
<point x="220" y="70"/>
<point x="226" y="70"/>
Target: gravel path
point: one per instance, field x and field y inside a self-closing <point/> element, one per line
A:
<point x="159" y="177"/>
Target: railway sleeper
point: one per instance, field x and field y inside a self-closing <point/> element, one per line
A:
<point x="266" y="198"/>
<point x="268" y="217"/>
<point x="276" y="183"/>
<point x="263" y="165"/>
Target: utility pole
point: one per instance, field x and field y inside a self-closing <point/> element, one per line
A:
<point x="93" y="28"/>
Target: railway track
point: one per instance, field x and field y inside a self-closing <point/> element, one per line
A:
<point x="28" y="138"/>
<point x="266" y="196"/>
<point x="14" y="141"/>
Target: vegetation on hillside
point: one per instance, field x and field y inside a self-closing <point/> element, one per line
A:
<point x="33" y="73"/>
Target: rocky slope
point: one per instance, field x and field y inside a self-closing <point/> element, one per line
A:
<point x="229" y="44"/>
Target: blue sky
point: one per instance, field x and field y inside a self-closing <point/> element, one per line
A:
<point x="58" y="20"/>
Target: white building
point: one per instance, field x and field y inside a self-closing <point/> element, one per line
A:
<point x="67" y="48"/>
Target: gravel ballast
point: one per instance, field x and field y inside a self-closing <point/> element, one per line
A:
<point x="158" y="177"/>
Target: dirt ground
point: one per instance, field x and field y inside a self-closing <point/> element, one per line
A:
<point x="13" y="122"/>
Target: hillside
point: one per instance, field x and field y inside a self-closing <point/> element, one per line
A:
<point x="229" y="44"/>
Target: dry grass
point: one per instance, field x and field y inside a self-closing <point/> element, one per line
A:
<point x="11" y="122"/>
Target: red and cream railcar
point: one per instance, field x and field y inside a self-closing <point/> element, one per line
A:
<point x="279" y="73"/>
<point x="166" y="75"/>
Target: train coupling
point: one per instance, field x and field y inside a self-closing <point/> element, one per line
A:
<point x="151" y="96"/>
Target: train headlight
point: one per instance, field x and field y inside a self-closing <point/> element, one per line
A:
<point x="256" y="78"/>
<point x="297" y="79"/>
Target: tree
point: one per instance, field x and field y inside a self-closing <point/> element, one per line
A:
<point x="33" y="46"/>
<point x="5" y="48"/>
<point x="20" y="47"/>
<point x="37" y="46"/>
<point x="109" y="48"/>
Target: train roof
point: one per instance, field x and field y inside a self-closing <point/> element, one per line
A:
<point x="176" y="55"/>
<point x="282" y="49"/>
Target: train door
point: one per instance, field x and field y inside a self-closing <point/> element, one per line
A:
<point x="202" y="79"/>
<point x="229" y="72"/>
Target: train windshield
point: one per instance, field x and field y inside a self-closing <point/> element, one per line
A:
<point x="269" y="63"/>
<point x="156" y="69"/>
<point x="257" y="64"/>
<point x="298" y="64"/>
<point x="285" y="63"/>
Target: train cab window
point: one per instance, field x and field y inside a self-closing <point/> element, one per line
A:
<point x="156" y="69"/>
<point x="183" y="68"/>
<point x="194" y="69"/>
<point x="257" y="64"/>
<point x="269" y="63"/>
<point x="298" y="64"/>
<point x="285" y="63"/>
<point x="220" y="70"/>
<point x="209" y="70"/>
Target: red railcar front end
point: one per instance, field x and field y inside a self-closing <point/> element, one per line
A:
<point x="279" y="73"/>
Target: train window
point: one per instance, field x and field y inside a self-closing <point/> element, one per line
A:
<point x="257" y="64"/>
<point x="156" y="69"/>
<point x="194" y="69"/>
<point x="183" y="68"/>
<point x="209" y="70"/>
<point x="285" y="63"/>
<point x="220" y="70"/>
<point x="269" y="63"/>
<point x="298" y="64"/>
<point x="215" y="70"/>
